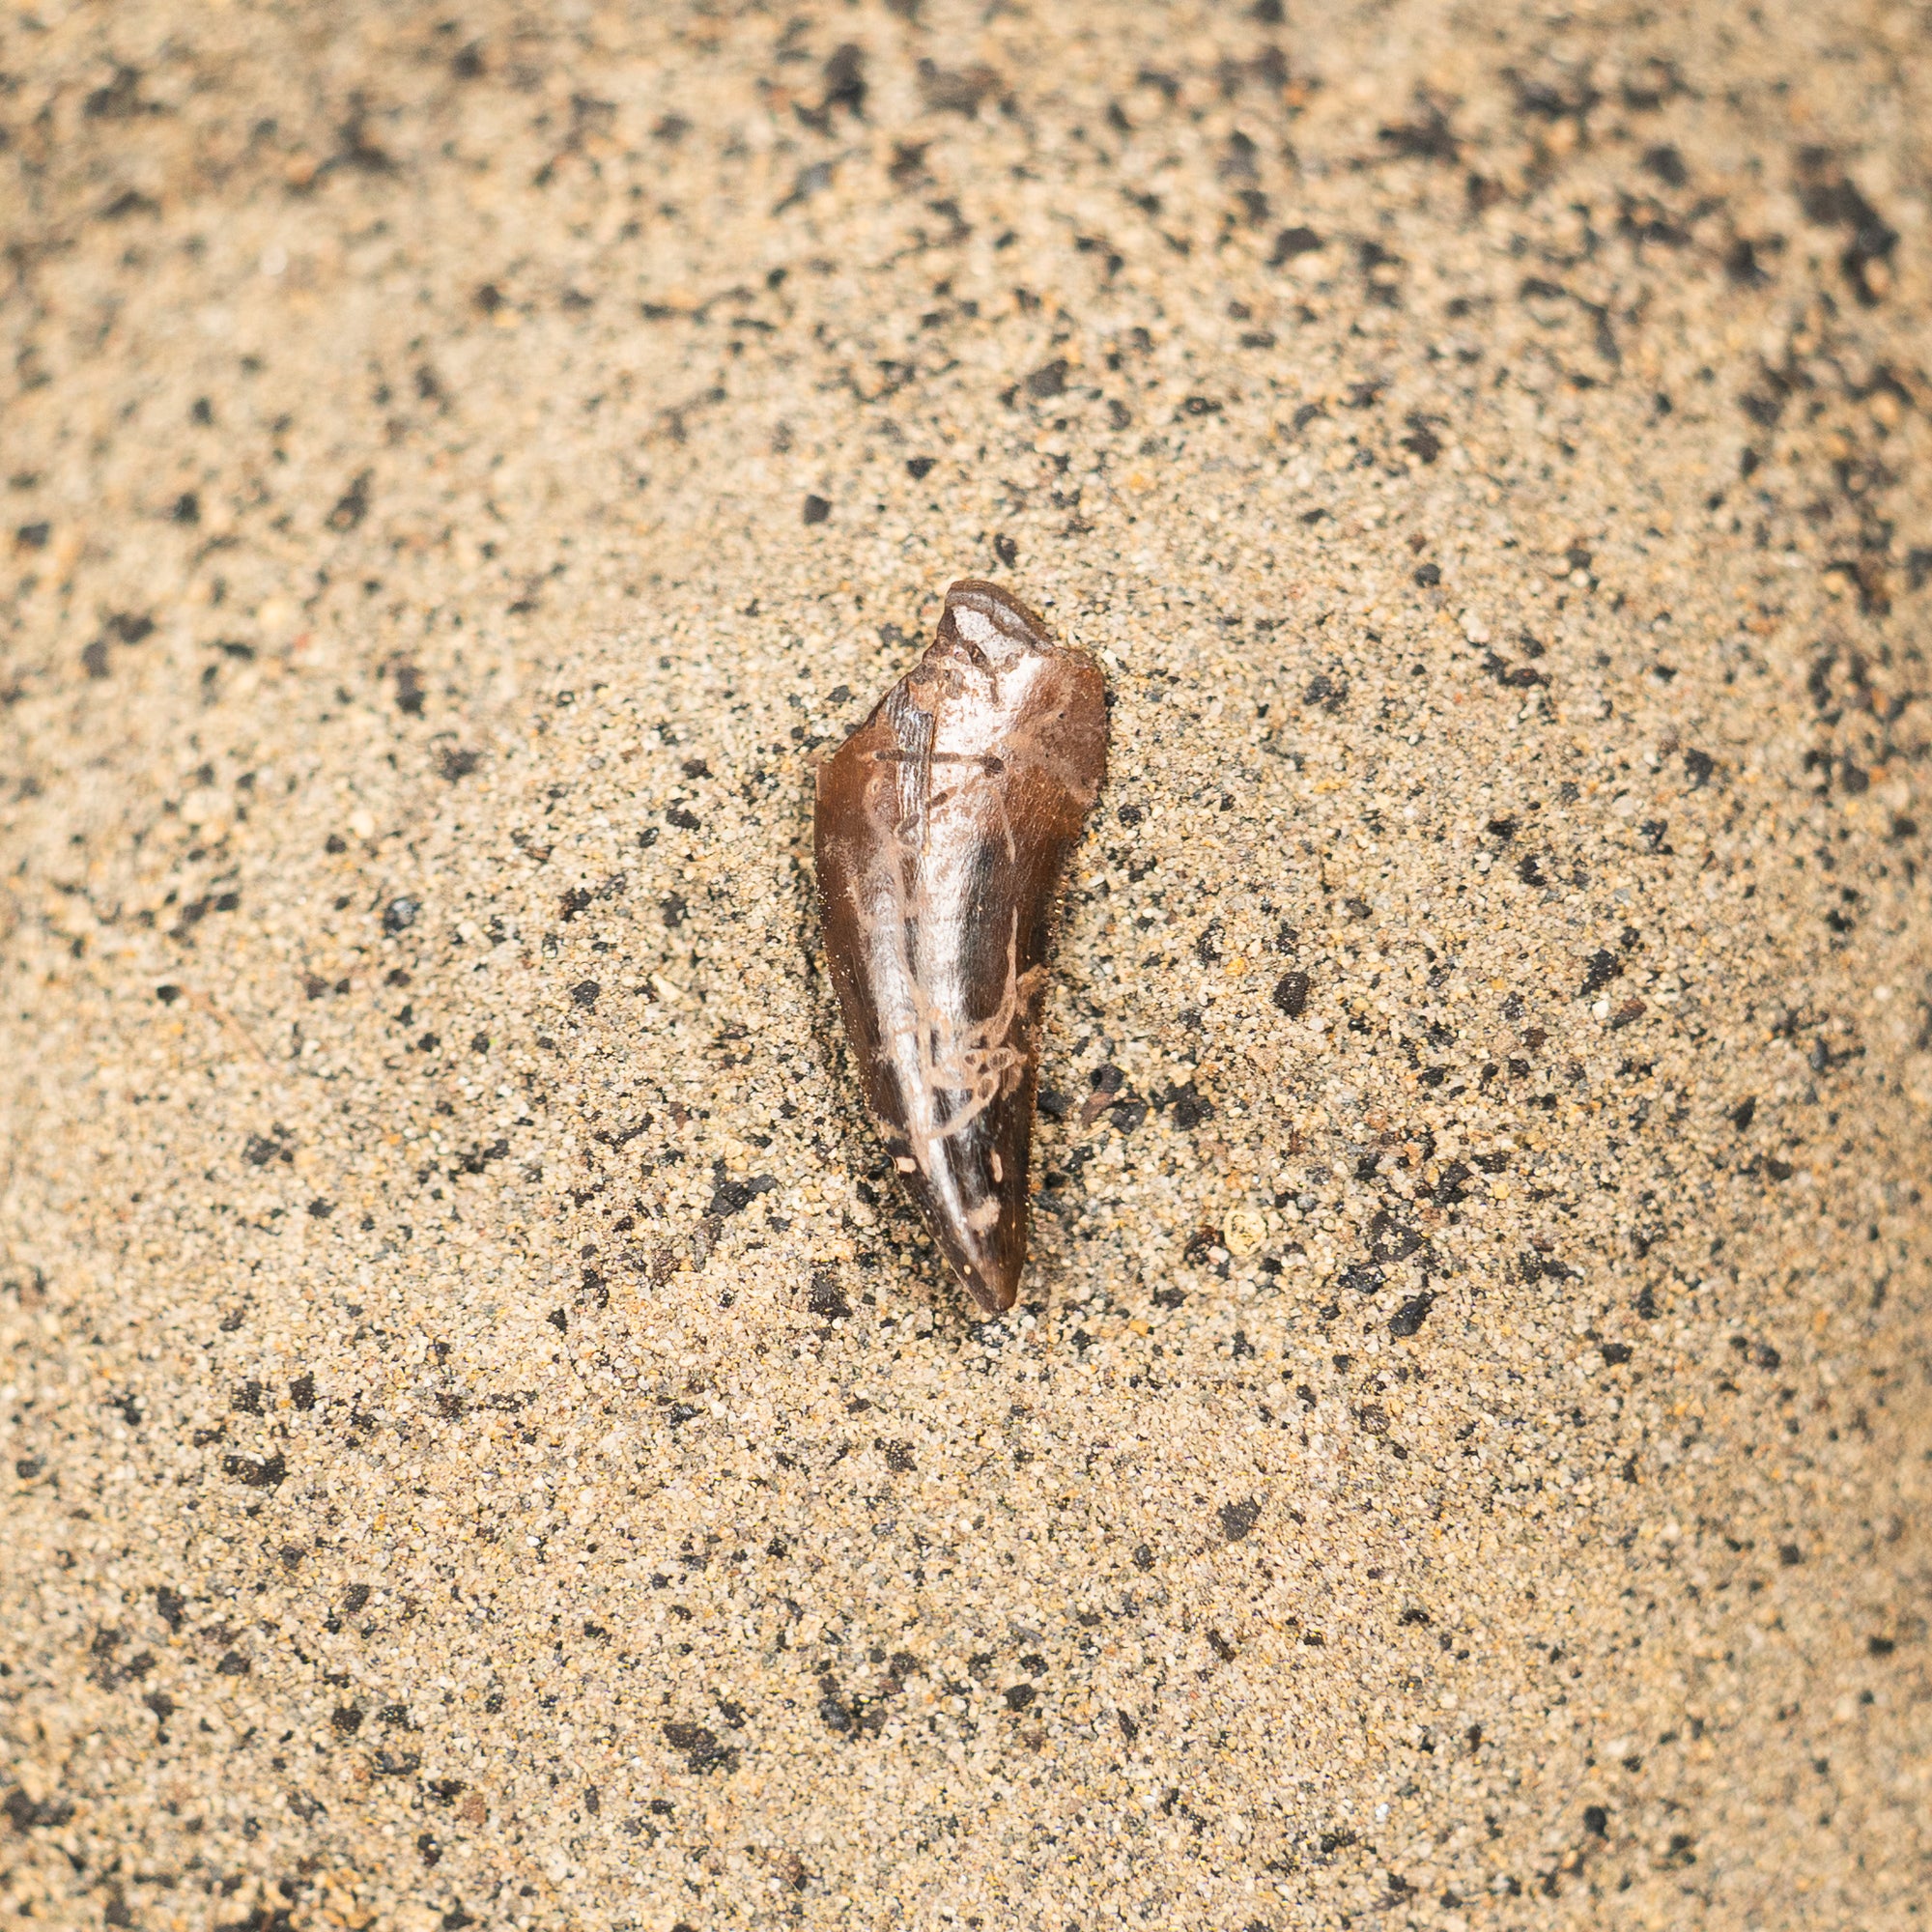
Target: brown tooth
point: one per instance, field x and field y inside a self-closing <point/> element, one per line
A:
<point x="943" y="824"/>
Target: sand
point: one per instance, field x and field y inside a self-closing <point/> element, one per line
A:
<point x="488" y="1445"/>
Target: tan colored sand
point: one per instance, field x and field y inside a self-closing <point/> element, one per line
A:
<point x="485" y="1443"/>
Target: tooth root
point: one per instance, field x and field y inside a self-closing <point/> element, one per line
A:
<point x="943" y="825"/>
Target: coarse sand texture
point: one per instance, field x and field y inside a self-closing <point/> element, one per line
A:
<point x="489" y="1440"/>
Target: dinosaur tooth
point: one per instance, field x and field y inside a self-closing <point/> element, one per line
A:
<point x="943" y="825"/>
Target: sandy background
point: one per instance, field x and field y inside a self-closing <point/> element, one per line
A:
<point x="486" y="1444"/>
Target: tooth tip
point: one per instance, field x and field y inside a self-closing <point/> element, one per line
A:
<point x="987" y="1266"/>
<point x="992" y="1292"/>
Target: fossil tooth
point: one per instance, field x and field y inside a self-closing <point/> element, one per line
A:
<point x="943" y="824"/>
